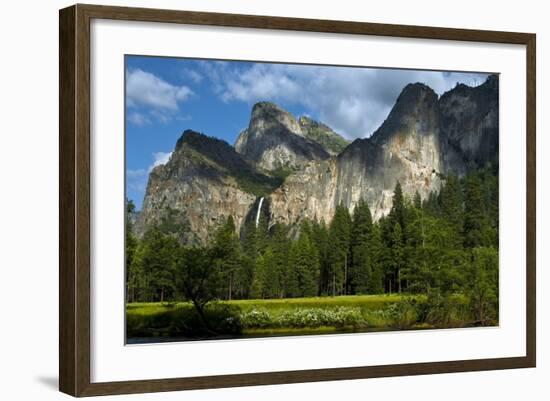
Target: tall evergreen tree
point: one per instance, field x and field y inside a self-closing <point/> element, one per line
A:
<point x="474" y="213"/>
<point x="249" y="239"/>
<point x="131" y="246"/>
<point x="451" y="202"/>
<point x="320" y="238"/>
<point x="397" y="212"/>
<point x="361" y="234"/>
<point x="227" y="253"/>
<point x="375" y="284"/>
<point x="156" y="260"/>
<point x="304" y="263"/>
<point x="339" y="239"/>
<point x="417" y="200"/>
<point x="398" y="255"/>
<point x="281" y="273"/>
<point x="482" y="284"/>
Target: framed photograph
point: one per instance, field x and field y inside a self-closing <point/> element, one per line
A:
<point x="250" y="200"/>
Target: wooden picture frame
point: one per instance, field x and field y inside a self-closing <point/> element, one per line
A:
<point x="74" y="199"/>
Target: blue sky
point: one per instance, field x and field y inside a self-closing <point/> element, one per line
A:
<point x="165" y="96"/>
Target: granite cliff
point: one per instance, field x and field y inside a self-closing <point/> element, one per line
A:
<point x="290" y="169"/>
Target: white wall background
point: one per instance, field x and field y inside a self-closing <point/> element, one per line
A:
<point x="29" y="184"/>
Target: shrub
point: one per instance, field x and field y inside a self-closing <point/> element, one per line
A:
<point x="303" y="318"/>
<point x="404" y="314"/>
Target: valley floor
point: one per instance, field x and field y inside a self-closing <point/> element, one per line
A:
<point x="179" y="321"/>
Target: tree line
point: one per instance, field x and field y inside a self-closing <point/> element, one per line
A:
<point x="445" y="244"/>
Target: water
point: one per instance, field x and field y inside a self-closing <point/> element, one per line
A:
<point x="259" y="210"/>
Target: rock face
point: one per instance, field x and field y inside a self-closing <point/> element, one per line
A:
<point x="206" y="180"/>
<point x="469" y="123"/>
<point x="275" y="140"/>
<point x="405" y="148"/>
<point x="423" y="138"/>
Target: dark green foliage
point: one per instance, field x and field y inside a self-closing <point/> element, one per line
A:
<point x="320" y="238"/>
<point x="474" y="213"/>
<point x="154" y="261"/>
<point x="417" y="200"/>
<point x="398" y="212"/>
<point x="227" y="253"/>
<point x="339" y="250"/>
<point x="482" y="284"/>
<point x="131" y="246"/>
<point x="200" y="278"/>
<point x="304" y="265"/>
<point x="185" y="321"/>
<point x="397" y="251"/>
<point x="361" y="249"/>
<point x="375" y="285"/>
<point x="451" y="202"/>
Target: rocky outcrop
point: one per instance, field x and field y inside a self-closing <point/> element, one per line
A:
<point x="274" y="140"/>
<point x="321" y="133"/>
<point x="422" y="139"/>
<point x="206" y="181"/>
<point x="469" y="124"/>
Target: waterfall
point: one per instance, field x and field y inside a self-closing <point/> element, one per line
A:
<point x="259" y="210"/>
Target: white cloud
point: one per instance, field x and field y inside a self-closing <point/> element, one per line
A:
<point x="160" y="158"/>
<point x="353" y="101"/>
<point x="192" y="75"/>
<point x="139" y="119"/>
<point x="147" y="90"/>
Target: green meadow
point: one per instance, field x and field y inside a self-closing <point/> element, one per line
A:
<point x="293" y="316"/>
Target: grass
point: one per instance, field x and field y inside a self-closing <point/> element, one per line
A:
<point x="270" y="317"/>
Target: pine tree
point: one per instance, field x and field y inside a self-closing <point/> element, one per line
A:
<point x="262" y="234"/>
<point x="271" y="281"/>
<point x="339" y="239"/>
<point x="431" y="205"/>
<point x="281" y="276"/>
<point x="257" y="289"/>
<point x="244" y="277"/>
<point x="376" y="283"/>
<point x="417" y="200"/>
<point x="397" y="212"/>
<point x="361" y="233"/>
<point x="397" y="253"/>
<point x="482" y="284"/>
<point x="451" y="202"/>
<point x="157" y="264"/>
<point x="304" y="263"/>
<point x="227" y="253"/>
<point x="319" y="237"/>
<point x="474" y="213"/>
<point x="131" y="247"/>
<point x="249" y="239"/>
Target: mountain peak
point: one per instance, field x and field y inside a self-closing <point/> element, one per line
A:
<point x="195" y="139"/>
<point x="274" y="139"/>
<point x="266" y="105"/>
<point x="415" y="111"/>
<point x="416" y="91"/>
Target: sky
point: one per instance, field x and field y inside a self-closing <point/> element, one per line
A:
<point x="165" y="96"/>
